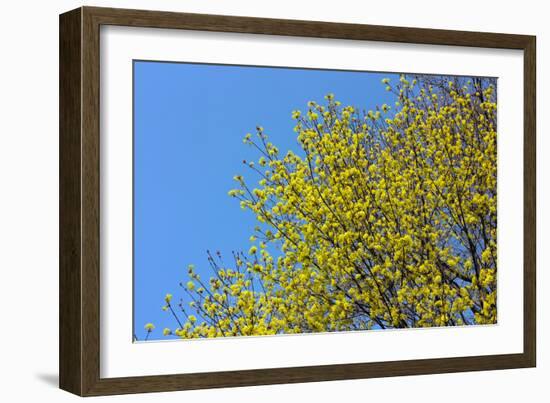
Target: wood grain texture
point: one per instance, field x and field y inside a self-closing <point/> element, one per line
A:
<point x="90" y="202"/>
<point x="80" y="195"/>
<point x="529" y="202"/>
<point x="70" y="271"/>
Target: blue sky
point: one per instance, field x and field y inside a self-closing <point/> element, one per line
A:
<point x="189" y="121"/>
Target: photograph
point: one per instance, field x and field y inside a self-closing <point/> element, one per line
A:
<point x="286" y="200"/>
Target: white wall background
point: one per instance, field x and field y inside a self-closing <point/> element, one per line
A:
<point x="29" y="199"/>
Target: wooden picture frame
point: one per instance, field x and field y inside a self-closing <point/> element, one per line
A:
<point x="79" y="346"/>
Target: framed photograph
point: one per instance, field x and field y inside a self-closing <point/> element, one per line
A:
<point x="249" y="201"/>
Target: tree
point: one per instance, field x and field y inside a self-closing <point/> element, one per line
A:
<point x="384" y="219"/>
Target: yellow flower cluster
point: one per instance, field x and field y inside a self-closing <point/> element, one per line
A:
<point x="378" y="223"/>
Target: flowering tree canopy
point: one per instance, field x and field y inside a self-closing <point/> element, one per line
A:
<point x="382" y="219"/>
